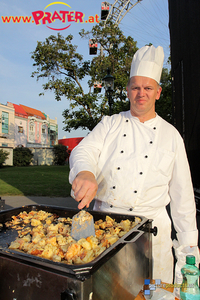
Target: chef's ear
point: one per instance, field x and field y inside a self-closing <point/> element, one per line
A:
<point x="127" y="90"/>
<point x="158" y="92"/>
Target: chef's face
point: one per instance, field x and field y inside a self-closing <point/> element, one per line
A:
<point x="143" y="93"/>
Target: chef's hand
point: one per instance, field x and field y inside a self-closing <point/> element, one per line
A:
<point x="84" y="188"/>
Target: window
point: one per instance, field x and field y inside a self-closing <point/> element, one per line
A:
<point x="43" y="130"/>
<point x="4" y="122"/>
<point x="31" y="132"/>
<point x="20" y="129"/>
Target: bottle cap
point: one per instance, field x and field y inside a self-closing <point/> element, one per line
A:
<point x="190" y="260"/>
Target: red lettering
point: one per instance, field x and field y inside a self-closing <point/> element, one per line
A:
<point x="97" y="18"/>
<point x="26" y="19"/>
<point x="79" y="16"/>
<point x="70" y="17"/>
<point x="6" y="19"/>
<point x="16" y="19"/>
<point x="91" y="19"/>
<point x="63" y="13"/>
<point x="47" y="18"/>
<point x="56" y="16"/>
<point x="37" y="15"/>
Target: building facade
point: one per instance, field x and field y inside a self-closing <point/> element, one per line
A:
<point x="52" y="131"/>
<point x="37" y="128"/>
<point x="7" y="126"/>
<point x="21" y="125"/>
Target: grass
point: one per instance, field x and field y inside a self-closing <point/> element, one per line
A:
<point x="35" y="181"/>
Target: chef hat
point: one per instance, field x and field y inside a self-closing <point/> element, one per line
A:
<point x="148" y="62"/>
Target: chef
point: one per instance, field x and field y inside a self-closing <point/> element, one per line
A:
<point x="135" y="163"/>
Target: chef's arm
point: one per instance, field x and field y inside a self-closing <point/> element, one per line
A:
<point x="183" y="209"/>
<point x="84" y="188"/>
<point x="84" y="164"/>
<point x="183" y="212"/>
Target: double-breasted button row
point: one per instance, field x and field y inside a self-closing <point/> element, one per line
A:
<point x="130" y="209"/>
<point x="140" y="173"/>
<point x="124" y="135"/>
<point x="154" y="128"/>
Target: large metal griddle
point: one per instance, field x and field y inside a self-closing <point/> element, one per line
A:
<point x="81" y="272"/>
<point x="117" y="273"/>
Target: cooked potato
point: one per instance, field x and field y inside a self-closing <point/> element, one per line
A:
<point x="48" y="236"/>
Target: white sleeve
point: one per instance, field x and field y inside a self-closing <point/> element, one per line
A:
<point x="84" y="157"/>
<point x="182" y="205"/>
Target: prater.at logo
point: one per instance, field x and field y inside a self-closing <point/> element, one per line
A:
<point x="62" y="15"/>
<point x="59" y="19"/>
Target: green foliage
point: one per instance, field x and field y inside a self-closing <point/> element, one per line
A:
<point x="164" y="104"/>
<point x="60" y="154"/>
<point x="22" y="156"/>
<point x="3" y="156"/>
<point x="56" y="57"/>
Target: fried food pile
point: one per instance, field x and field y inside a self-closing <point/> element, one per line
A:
<point x="48" y="236"/>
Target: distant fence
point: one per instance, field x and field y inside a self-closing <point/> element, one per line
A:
<point x="9" y="160"/>
<point x="42" y="156"/>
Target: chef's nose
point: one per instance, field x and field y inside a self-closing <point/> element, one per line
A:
<point x="141" y="92"/>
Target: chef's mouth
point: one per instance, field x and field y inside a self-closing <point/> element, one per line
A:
<point x="141" y="100"/>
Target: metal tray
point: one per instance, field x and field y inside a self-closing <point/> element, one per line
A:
<point x="83" y="271"/>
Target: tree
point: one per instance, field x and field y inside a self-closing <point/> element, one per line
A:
<point x="22" y="156"/>
<point x="60" y="154"/>
<point x="3" y="156"/>
<point x="164" y="104"/>
<point x="56" y="60"/>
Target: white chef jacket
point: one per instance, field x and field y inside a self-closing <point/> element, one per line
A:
<point x="140" y="168"/>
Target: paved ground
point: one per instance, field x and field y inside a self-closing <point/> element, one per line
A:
<point x="18" y="201"/>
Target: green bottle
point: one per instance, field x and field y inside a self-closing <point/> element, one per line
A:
<point x="190" y="289"/>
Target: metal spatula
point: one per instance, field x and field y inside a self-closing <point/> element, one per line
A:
<point x="82" y="225"/>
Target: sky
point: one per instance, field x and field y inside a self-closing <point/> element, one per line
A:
<point x="146" y="22"/>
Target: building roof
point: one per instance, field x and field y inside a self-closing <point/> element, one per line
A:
<point x="32" y="112"/>
<point x="19" y="111"/>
